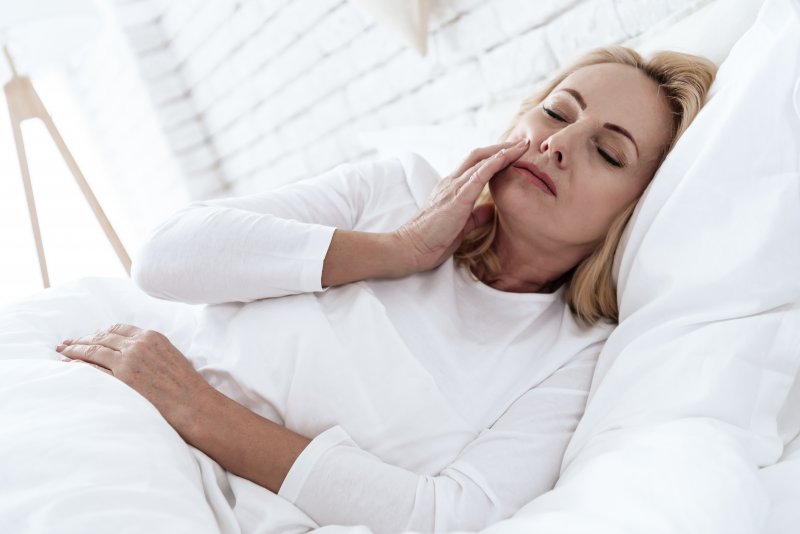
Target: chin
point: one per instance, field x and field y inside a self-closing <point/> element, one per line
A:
<point x="500" y="182"/>
<point x="514" y="201"/>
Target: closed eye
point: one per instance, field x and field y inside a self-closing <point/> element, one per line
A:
<point x="606" y="156"/>
<point x="553" y="114"/>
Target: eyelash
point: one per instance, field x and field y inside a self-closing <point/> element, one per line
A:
<point x="603" y="154"/>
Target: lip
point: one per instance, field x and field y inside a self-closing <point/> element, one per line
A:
<point x="542" y="176"/>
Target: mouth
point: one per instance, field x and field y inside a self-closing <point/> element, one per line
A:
<point x="536" y="176"/>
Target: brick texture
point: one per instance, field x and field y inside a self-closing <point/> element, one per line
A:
<point x="252" y="94"/>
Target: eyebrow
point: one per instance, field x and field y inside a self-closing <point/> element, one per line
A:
<point x="613" y="127"/>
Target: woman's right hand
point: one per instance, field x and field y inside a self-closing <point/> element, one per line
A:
<point x="437" y="230"/>
<point x="432" y="235"/>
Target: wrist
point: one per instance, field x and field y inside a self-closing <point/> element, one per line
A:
<point x="198" y="412"/>
<point x="398" y="256"/>
<point x="353" y="256"/>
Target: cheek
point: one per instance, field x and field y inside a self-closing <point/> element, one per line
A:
<point x="531" y="125"/>
<point x="601" y="201"/>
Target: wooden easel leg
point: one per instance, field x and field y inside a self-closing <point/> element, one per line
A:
<point x="24" y="103"/>
<point x="26" y="180"/>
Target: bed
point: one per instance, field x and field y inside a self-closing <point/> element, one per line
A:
<point x="694" y="412"/>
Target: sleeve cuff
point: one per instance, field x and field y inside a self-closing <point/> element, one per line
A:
<point x="316" y="249"/>
<point x="302" y="467"/>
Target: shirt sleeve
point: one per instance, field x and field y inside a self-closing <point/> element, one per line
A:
<point x="270" y="244"/>
<point x="506" y="466"/>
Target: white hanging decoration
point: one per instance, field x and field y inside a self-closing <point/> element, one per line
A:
<point x="409" y="18"/>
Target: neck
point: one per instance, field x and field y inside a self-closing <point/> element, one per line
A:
<point x="530" y="269"/>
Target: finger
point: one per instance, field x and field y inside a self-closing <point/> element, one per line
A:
<point x="121" y="329"/>
<point x="479" y="154"/>
<point x="113" y="337"/>
<point x="106" y="339"/>
<point x="472" y="182"/>
<point x="96" y="354"/>
<point x="504" y="156"/>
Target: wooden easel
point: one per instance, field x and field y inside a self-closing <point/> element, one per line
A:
<point x="24" y="103"/>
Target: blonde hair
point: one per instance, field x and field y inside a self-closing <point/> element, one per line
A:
<point x="591" y="293"/>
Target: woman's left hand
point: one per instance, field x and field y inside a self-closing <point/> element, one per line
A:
<point x="146" y="361"/>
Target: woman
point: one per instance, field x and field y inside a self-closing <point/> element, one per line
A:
<point x="440" y="391"/>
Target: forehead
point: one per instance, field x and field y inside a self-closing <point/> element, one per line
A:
<point x="622" y="95"/>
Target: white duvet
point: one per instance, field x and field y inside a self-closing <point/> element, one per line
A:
<point x="80" y="452"/>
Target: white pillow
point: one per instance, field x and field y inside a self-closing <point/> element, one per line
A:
<point x="686" y="400"/>
<point x="709" y="288"/>
<point x="710" y="31"/>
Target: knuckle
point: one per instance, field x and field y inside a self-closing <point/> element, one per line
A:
<point x="92" y="349"/>
<point x="154" y="336"/>
<point x="97" y="337"/>
<point x="116" y="327"/>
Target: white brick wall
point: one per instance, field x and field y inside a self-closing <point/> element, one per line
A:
<point x="109" y="84"/>
<point x="252" y="94"/>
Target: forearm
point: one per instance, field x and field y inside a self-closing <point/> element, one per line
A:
<point x="242" y="441"/>
<point x="216" y="254"/>
<point x="347" y="484"/>
<point x="354" y="256"/>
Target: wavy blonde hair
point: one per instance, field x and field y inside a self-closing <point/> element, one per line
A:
<point x="591" y="293"/>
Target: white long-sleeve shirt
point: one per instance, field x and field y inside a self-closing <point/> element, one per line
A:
<point x="435" y="402"/>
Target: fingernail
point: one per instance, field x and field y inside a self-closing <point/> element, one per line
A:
<point x="60" y="347"/>
<point x="524" y="141"/>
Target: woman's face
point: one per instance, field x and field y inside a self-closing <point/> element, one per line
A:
<point x="595" y="143"/>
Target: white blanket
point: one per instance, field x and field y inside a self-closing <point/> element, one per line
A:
<point x="80" y="452"/>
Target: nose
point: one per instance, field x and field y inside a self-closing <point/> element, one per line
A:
<point x="554" y="151"/>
